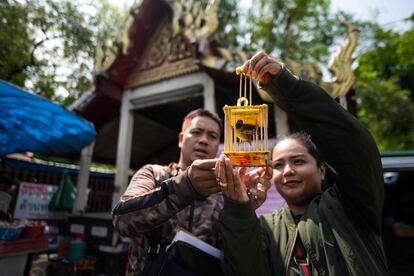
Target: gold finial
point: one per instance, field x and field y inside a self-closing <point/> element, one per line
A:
<point x="240" y="70"/>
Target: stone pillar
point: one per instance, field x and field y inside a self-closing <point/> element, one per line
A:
<point x="123" y="155"/>
<point x="208" y="94"/>
<point x="83" y="179"/>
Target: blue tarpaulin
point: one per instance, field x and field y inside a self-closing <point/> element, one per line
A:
<point x="31" y="123"/>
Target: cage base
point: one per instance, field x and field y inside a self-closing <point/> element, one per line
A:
<point x="249" y="159"/>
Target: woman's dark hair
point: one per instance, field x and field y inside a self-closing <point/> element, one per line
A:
<point x="305" y="139"/>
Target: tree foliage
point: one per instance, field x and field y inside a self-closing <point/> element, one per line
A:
<point x="229" y="15"/>
<point x="48" y="46"/>
<point x="296" y="29"/>
<point x="391" y="54"/>
<point x="388" y="112"/>
<point x="385" y="87"/>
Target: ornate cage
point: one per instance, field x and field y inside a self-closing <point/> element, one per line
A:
<point x="245" y="129"/>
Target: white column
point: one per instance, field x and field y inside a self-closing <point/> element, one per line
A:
<point x="282" y="127"/>
<point x="123" y="156"/>
<point x="83" y="178"/>
<point x="208" y="94"/>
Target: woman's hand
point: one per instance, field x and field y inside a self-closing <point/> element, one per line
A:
<point x="230" y="181"/>
<point x="258" y="183"/>
<point x="261" y="67"/>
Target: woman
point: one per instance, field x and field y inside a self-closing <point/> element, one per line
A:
<point x="332" y="232"/>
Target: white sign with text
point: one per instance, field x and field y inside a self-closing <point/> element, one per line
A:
<point x="33" y="202"/>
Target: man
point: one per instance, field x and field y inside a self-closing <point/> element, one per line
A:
<point x="180" y="195"/>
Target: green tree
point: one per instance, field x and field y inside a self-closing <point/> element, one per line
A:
<point x="229" y="30"/>
<point x="48" y="46"/>
<point x="388" y="112"/>
<point x="296" y="29"/>
<point x="385" y="87"/>
<point x="390" y="55"/>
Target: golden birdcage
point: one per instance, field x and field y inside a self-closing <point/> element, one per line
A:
<point x="245" y="129"/>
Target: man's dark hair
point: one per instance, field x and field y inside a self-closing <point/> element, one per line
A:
<point x="200" y="112"/>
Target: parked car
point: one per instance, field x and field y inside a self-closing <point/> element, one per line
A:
<point x="398" y="216"/>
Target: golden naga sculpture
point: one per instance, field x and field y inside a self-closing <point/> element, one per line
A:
<point x="340" y="64"/>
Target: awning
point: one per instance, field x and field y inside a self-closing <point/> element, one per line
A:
<point x="31" y="123"/>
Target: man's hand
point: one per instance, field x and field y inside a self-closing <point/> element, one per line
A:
<point x="202" y="177"/>
<point x="261" y="67"/>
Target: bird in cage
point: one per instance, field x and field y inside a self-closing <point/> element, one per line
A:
<point x="245" y="132"/>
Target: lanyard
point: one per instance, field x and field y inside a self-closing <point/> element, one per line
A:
<point x="300" y="261"/>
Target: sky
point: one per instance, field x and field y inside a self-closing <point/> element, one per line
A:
<point x="388" y="10"/>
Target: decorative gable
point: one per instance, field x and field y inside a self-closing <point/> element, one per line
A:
<point x="167" y="55"/>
